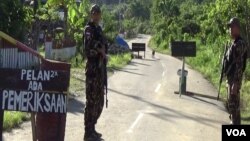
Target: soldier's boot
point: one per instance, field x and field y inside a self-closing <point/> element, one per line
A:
<point x="96" y="133"/>
<point x="92" y="137"/>
<point x="236" y="118"/>
<point x="230" y="108"/>
<point x="89" y="135"/>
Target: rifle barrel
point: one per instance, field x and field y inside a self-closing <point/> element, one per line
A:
<point x="222" y="70"/>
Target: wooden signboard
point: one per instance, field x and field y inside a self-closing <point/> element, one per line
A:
<point x="137" y="47"/>
<point x="34" y="80"/>
<point x="38" y="86"/>
<point x="30" y="90"/>
<point x="183" y="49"/>
<point x="39" y="91"/>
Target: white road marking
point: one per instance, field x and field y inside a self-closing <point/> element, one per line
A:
<point x="130" y="130"/>
<point x="158" y="88"/>
<point x="163" y="74"/>
<point x="164" y="66"/>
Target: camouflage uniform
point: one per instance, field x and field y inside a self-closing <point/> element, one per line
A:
<point x="236" y="64"/>
<point x="94" y="77"/>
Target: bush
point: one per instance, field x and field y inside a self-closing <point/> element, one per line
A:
<point x="13" y="119"/>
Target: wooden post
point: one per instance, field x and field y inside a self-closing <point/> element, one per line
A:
<point x="182" y="75"/>
<point x="1" y="124"/>
<point x="33" y="124"/>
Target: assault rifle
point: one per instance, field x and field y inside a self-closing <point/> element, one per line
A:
<point x="223" y="67"/>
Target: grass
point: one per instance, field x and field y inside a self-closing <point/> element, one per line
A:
<point x="77" y="82"/>
<point x="245" y="98"/>
<point x="119" y="61"/>
<point x="207" y="62"/>
<point x="13" y="119"/>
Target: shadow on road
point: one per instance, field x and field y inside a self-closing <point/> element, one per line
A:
<point x="124" y="70"/>
<point x="176" y="114"/>
<point x="196" y="97"/>
<point x="115" y="68"/>
<point x="153" y="60"/>
<point x="138" y="63"/>
<point x="202" y="100"/>
<point x="75" y="106"/>
<point x="131" y="64"/>
<point x="201" y="95"/>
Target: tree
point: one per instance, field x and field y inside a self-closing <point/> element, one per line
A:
<point x="75" y="17"/>
<point x="12" y="17"/>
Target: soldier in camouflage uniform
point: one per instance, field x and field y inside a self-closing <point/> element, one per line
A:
<point x="235" y="66"/>
<point x="95" y="77"/>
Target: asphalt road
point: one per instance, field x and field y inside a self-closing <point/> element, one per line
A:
<point x="143" y="106"/>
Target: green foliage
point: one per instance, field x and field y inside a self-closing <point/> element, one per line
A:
<point x="173" y="18"/>
<point x="202" y="19"/>
<point x="78" y="17"/>
<point x="77" y="61"/>
<point x="110" y="25"/>
<point x="133" y="17"/>
<point x="13" y="119"/>
<point x="12" y="17"/>
<point x="46" y="13"/>
<point x="119" y="60"/>
<point x="138" y="9"/>
<point x="191" y="28"/>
